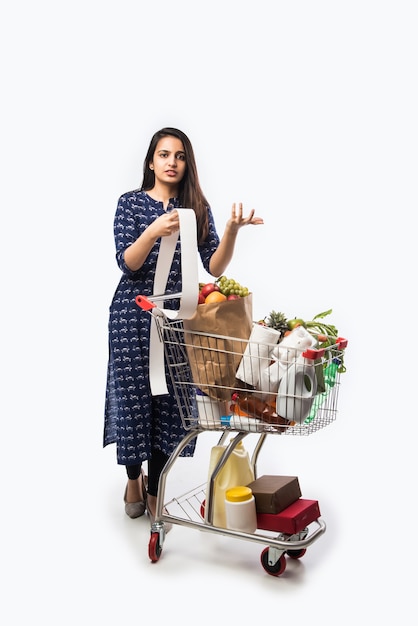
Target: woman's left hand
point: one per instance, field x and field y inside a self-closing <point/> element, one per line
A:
<point x="223" y="254"/>
<point x="237" y="220"/>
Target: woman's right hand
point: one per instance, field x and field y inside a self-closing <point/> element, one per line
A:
<point x="165" y="225"/>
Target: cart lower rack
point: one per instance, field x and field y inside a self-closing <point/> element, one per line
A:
<point x="192" y="510"/>
<point x="238" y="387"/>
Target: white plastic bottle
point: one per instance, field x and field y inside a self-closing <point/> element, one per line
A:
<point x="240" y="509"/>
<point x="297" y="388"/>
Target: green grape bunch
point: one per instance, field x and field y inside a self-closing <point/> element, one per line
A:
<point x="229" y="287"/>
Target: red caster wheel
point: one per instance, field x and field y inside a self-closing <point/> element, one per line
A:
<point x="277" y="568"/>
<point x="154" y="547"/>
<point x="296" y="554"/>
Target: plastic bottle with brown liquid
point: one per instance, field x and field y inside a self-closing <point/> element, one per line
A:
<point x="247" y="404"/>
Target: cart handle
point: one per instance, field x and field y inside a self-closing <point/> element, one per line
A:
<point x="313" y="353"/>
<point x="144" y="303"/>
<point x="341" y="343"/>
<point x="318" y="353"/>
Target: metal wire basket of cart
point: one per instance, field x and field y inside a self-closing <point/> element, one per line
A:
<point x="237" y="387"/>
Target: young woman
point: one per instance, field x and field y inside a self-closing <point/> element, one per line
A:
<point x="145" y="427"/>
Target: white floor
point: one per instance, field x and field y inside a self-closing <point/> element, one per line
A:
<point x="74" y="556"/>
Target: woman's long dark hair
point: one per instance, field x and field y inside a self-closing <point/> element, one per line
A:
<point x="190" y="193"/>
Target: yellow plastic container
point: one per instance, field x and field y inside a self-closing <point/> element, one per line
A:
<point x="236" y="471"/>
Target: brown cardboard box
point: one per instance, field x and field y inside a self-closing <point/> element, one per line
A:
<point x="274" y="493"/>
<point x="291" y="520"/>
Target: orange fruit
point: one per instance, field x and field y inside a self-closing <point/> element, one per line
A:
<point x="215" y="296"/>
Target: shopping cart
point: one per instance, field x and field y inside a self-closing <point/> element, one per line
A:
<point x="238" y="387"/>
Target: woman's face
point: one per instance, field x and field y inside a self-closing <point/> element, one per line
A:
<point x="169" y="161"/>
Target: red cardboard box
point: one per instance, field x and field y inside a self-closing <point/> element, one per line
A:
<point x="291" y="520"/>
<point x="272" y="493"/>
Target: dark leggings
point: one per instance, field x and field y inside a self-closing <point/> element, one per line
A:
<point x="155" y="467"/>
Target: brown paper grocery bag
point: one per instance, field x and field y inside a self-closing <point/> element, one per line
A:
<point x="217" y="338"/>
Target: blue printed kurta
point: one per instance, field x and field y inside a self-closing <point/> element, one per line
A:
<point x="135" y="420"/>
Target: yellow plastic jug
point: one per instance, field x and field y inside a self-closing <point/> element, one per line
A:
<point x="236" y="471"/>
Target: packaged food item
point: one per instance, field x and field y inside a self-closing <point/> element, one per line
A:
<point x="274" y="493"/>
<point x="295" y="518"/>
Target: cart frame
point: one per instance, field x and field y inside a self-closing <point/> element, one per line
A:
<point x="279" y="544"/>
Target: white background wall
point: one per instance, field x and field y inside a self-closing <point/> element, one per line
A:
<point x="306" y="113"/>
